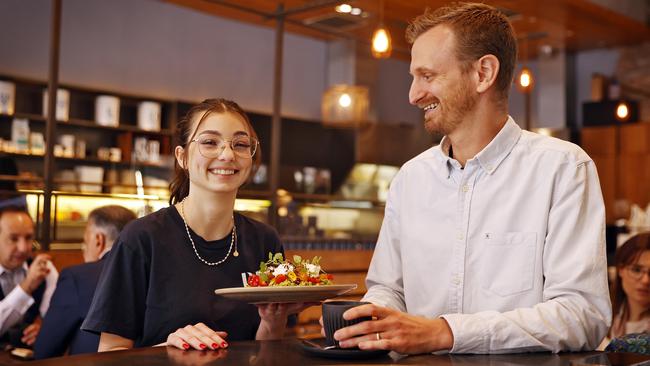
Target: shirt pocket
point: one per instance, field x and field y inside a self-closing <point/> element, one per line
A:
<point x="509" y="262"/>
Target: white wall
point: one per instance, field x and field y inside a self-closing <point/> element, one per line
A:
<point x="158" y="49"/>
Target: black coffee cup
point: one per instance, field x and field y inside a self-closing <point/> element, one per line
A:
<point x="333" y="318"/>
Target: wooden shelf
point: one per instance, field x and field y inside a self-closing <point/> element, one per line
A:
<point x="91" y="125"/>
<point x="91" y="160"/>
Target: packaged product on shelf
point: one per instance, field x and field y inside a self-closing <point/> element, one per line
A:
<point x="20" y="134"/>
<point x="140" y="149"/>
<point x="67" y="141"/>
<point x="90" y="178"/>
<point x="115" y="154"/>
<point x="7" y="97"/>
<point x="36" y="143"/>
<point x="153" y="151"/>
<point x="149" y="116"/>
<point x="62" y="104"/>
<point x="107" y="110"/>
<point x="80" y="149"/>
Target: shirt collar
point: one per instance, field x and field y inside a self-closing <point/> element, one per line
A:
<point x="496" y="151"/>
<point x="3" y="269"/>
<point x="493" y="154"/>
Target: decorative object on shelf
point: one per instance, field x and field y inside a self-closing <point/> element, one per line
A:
<point x="345" y="106"/>
<point x="149" y="116"/>
<point x="80" y="149"/>
<point x="115" y="154"/>
<point x="20" y="134"/>
<point x="62" y="104"/>
<point x="68" y="144"/>
<point x="7" y="97"/>
<point x="382" y="46"/>
<point x="107" y="110"/>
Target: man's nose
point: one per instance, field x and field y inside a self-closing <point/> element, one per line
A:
<point x="415" y="93"/>
<point x="24" y="245"/>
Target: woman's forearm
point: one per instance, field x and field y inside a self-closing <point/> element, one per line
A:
<point x="112" y="342"/>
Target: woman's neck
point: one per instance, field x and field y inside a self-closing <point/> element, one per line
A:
<point x="210" y="217"/>
<point x="637" y="311"/>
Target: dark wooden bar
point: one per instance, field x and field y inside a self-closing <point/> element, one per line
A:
<point x="289" y="352"/>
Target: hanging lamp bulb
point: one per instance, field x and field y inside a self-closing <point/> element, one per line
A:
<point x="382" y="46"/>
<point x="525" y="80"/>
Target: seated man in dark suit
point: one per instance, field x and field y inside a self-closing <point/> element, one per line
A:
<point x="76" y="287"/>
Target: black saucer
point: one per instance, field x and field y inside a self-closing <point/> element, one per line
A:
<point x="338" y="353"/>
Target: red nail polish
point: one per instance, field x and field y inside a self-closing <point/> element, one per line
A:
<point x="214" y="345"/>
<point x="224" y="344"/>
<point x="186" y="346"/>
<point x="203" y="346"/>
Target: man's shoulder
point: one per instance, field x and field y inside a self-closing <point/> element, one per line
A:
<point x="426" y="158"/>
<point x="81" y="270"/>
<point x="547" y="146"/>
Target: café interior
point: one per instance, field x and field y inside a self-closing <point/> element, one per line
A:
<point x="325" y="84"/>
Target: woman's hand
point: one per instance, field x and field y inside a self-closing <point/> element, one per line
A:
<point x="274" y="318"/>
<point x="198" y="336"/>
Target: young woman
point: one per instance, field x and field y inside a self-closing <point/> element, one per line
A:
<point x="158" y="285"/>
<point x="631" y="305"/>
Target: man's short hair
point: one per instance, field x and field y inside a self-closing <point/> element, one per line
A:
<point x="13" y="209"/>
<point x="111" y="219"/>
<point x="479" y="30"/>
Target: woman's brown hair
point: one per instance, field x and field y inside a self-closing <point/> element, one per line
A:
<point x="180" y="185"/>
<point x="627" y="255"/>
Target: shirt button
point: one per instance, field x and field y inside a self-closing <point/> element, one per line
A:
<point x="456" y="281"/>
<point x="465" y="188"/>
<point x="460" y="236"/>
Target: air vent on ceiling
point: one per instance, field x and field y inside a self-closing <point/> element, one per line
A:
<point x="336" y="21"/>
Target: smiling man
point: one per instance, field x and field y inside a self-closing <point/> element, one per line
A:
<point x="493" y="241"/>
<point x="26" y="285"/>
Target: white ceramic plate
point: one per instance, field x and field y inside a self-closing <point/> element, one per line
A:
<point x="271" y="294"/>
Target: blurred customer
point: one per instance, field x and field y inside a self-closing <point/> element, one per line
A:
<point x="60" y="330"/>
<point x="631" y="306"/>
<point x="26" y="285"/>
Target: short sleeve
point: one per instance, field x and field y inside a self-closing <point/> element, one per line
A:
<point x="119" y="303"/>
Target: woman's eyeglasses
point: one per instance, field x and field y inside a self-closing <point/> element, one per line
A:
<point x="213" y="146"/>
<point x="637" y="271"/>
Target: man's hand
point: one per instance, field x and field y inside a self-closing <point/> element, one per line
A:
<point x="394" y="330"/>
<point x="30" y="333"/>
<point x="36" y="273"/>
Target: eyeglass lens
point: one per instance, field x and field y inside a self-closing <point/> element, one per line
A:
<point x="213" y="146"/>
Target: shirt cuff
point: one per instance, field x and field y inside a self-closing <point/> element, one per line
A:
<point x="469" y="336"/>
<point x="19" y="300"/>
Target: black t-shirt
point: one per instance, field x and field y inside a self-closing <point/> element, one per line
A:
<point x="153" y="283"/>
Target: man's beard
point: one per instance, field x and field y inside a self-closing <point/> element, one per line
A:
<point x="458" y="104"/>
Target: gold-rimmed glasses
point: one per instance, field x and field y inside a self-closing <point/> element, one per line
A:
<point x="637" y="272"/>
<point x="212" y="146"/>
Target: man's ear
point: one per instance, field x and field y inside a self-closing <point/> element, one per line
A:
<point x="100" y="241"/>
<point x="179" y="153"/>
<point x="487" y="71"/>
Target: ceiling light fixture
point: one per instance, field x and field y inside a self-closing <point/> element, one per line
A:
<point x="343" y="8"/>
<point x="381" y="42"/>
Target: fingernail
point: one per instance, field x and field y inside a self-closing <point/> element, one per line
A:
<point x="224" y="344"/>
<point x="203" y="346"/>
<point x="214" y="345"/>
<point x="186" y="346"/>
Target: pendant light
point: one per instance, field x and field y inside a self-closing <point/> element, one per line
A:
<point x="381" y="42"/>
<point x="525" y="80"/>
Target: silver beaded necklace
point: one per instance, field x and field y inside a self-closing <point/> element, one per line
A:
<point x="233" y="239"/>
